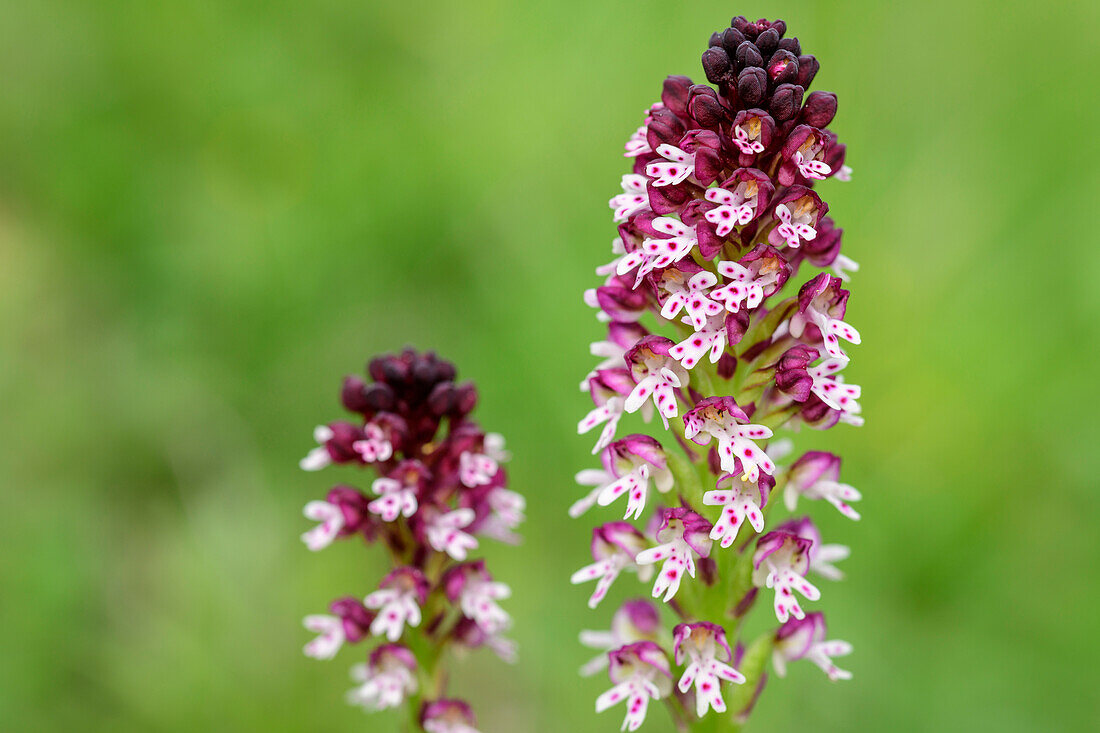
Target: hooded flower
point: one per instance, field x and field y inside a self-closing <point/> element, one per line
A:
<point x="816" y="476"/>
<point x="740" y="500"/>
<point x="805" y="639"/>
<point x="636" y="620"/>
<point x="386" y="680"/>
<point x="722" y="419"/>
<point x="615" y="546"/>
<point x="656" y="375"/>
<point x="473" y="588"/>
<point x="821" y="306"/>
<point x="781" y="562"/>
<point x="708" y="653"/>
<point x="397" y="601"/>
<point x="682" y="535"/>
<point x="447" y="716"/>
<point x="640" y="673"/>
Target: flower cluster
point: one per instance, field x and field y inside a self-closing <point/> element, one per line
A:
<point x="440" y="487"/>
<point x="725" y="308"/>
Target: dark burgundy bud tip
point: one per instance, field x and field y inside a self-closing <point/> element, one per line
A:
<point x="379" y="398"/>
<point x="807" y="70"/>
<point x="768" y="42"/>
<point x="675" y="94"/>
<point x="717" y="65"/>
<point x="707" y="110"/>
<point x="749" y="55"/>
<point x="782" y="67"/>
<point x="786" y="101"/>
<point x="465" y="399"/>
<point x="731" y="39"/>
<point x="792" y="45"/>
<point x="819" y="109"/>
<point x="752" y="83"/>
<point x="715" y="39"/>
<point x="442" y="399"/>
<point x="352" y="395"/>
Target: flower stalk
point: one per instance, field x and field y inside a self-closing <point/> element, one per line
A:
<point x="725" y="308"/>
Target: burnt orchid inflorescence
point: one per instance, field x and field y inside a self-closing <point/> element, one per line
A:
<point x="440" y="486"/>
<point x="709" y="328"/>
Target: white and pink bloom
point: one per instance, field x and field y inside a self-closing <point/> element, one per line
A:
<point x="397" y="601"/>
<point x="678" y="165"/>
<point x="685" y="288"/>
<point x="672" y="242"/>
<point x="805" y="639"/>
<point x="633" y="198"/>
<point x="713" y="337"/>
<point x="797" y="212"/>
<point x="795" y="376"/>
<point x="741" y="199"/>
<point x="640" y="673"/>
<point x="656" y="376"/>
<point x="615" y="546"/>
<point x="683" y="535"/>
<point x="397" y="492"/>
<point x="822" y="556"/>
<point x="740" y="501"/>
<point x="722" y="419"/>
<point x="445" y="530"/>
<point x="343" y="512"/>
<point x="472" y="587"/>
<point x="815" y="476"/>
<point x="636" y="620"/>
<point x="608" y="389"/>
<point x="386" y="680"/>
<point x="822" y="303"/>
<point x="781" y="562"/>
<point x="375" y="445"/>
<point x="756" y="276"/>
<point x="349" y="623"/>
<point x="708" y="655"/>
<point x="447" y="716"/>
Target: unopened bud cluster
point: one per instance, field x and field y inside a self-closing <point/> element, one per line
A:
<point x="725" y="312"/>
<point x="439" y="488"/>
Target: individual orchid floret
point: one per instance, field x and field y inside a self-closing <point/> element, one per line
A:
<point x="740" y="500"/>
<point x="758" y="275"/>
<point x="335" y="445"/>
<point x="447" y="716"/>
<point x="640" y="672"/>
<point x="816" y="476"/>
<point x="795" y="377"/>
<point x="656" y="375"/>
<point x="350" y="621"/>
<point x="683" y="534"/>
<point x="741" y="198"/>
<point x="386" y="680"/>
<point x="615" y="546"/>
<point x="804" y="155"/>
<point x="721" y="418"/>
<point x="708" y="653"/>
<point x="713" y="336"/>
<point x="752" y="133"/>
<point x="636" y="620"/>
<point x="398" y="601"/>
<point x="781" y="562"/>
<point x="822" y="556"/>
<point x="633" y="198"/>
<point x="821" y="306"/>
<point x="686" y="287"/>
<point x="797" y="212"/>
<point x="608" y="388"/>
<point x="444" y="531"/>
<point x="842" y="265"/>
<point x="657" y="253"/>
<point x="805" y="639"/>
<point x="506" y="513"/>
<point x="375" y="445"/>
<point x="637" y="144"/>
<point x="473" y="588"/>
<point x="344" y="511"/>
<point x="398" y="492"/>
<point x="476" y="469"/>
<point x="634" y="461"/>
<point x="676" y="167"/>
<point x="621" y="338"/>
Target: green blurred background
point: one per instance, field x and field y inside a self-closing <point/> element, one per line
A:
<point x="210" y="212"/>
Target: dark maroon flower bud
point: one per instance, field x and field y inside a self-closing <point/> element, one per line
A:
<point x="748" y="55"/>
<point x="817" y="414"/>
<point x="736" y="326"/>
<point x="791" y="44"/>
<point x="819" y="109"/>
<point x="717" y="66"/>
<point x="442" y="399"/>
<point x="786" y="101"/>
<point x="340" y="442"/>
<point x="752" y="84"/>
<point x="465" y="399"/>
<point x="664" y="128"/>
<point x="666" y="200"/>
<point x="706" y="109"/>
<point x="355" y="617"/>
<point x="807" y="70"/>
<point x="782" y="67"/>
<point x="768" y="42"/>
<point x="822" y="250"/>
<point x="741" y="24"/>
<point x="379" y="397"/>
<point x="727" y="365"/>
<point x="353" y="507"/>
<point x="791" y="375"/>
<point x="731" y="38"/>
<point x="675" y="94"/>
<point x="715" y="39"/>
<point x="352" y="395"/>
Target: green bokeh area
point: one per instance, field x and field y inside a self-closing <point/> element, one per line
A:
<point x="210" y="212"/>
